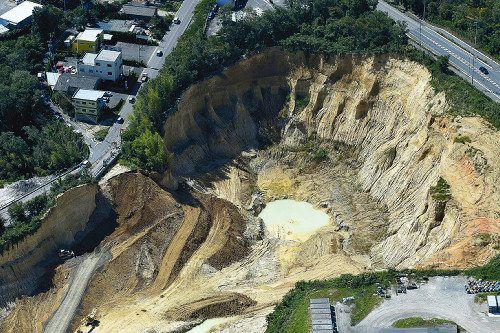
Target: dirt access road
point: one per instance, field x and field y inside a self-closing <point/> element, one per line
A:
<point x="441" y="297"/>
<point x="61" y="319"/>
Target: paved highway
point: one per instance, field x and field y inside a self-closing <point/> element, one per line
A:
<point x="463" y="57"/>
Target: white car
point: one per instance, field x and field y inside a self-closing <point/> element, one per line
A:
<point x="131" y="99"/>
<point x="177" y="20"/>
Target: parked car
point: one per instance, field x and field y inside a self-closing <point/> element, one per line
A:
<point x="159" y="53"/>
<point x="144" y="77"/>
<point x="484" y="70"/>
<point x="108" y="94"/>
<point x="120" y="120"/>
<point x="131" y="99"/>
<point x="177" y="20"/>
<point x="86" y="163"/>
<point x="106" y="99"/>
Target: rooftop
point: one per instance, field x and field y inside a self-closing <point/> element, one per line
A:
<point x="89" y="58"/>
<point x="89" y="95"/>
<point x="20" y="12"/>
<point x="82" y="81"/>
<point x="138" y="10"/>
<point x="89" y="35"/>
<point x="116" y="25"/>
<point x="108" y="55"/>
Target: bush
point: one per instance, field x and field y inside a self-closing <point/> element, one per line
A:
<point x="441" y="192"/>
<point x="462" y="139"/>
<point x="100" y="135"/>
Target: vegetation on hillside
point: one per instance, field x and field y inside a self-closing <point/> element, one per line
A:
<point x="330" y="27"/>
<point x="26" y="218"/>
<point x="291" y="315"/>
<point x="462" y="16"/>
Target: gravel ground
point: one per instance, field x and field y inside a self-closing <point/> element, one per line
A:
<point x="441" y="297"/>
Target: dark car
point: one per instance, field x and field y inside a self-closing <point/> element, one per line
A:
<point x="159" y="53"/>
<point x="484" y="70"/>
<point x="119" y="120"/>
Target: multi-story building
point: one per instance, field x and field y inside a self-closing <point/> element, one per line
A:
<point x="108" y="65"/>
<point x="88" y="40"/>
<point x="88" y="105"/>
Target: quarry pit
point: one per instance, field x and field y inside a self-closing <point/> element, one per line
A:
<point x="348" y="147"/>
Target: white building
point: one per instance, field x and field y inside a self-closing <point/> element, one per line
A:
<point x="108" y="65"/>
<point x="88" y="105"/>
<point x="18" y="17"/>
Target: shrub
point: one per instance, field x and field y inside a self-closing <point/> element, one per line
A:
<point x="462" y="139"/>
<point x="441" y="192"/>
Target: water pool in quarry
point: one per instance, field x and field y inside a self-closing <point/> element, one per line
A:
<point x="293" y="220"/>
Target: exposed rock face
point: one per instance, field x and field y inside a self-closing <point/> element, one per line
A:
<point x="364" y="139"/>
<point x="385" y="107"/>
<point x="69" y="216"/>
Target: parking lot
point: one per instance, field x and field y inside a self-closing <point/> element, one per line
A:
<point x="135" y="52"/>
<point x="441" y="297"/>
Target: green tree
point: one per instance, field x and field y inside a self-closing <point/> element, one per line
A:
<point x="46" y="21"/>
<point x="17" y="212"/>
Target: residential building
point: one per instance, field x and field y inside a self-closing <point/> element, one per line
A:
<point x="70" y="83"/>
<point x="88" y="40"/>
<point x="117" y="25"/>
<point x="136" y="11"/>
<point x="88" y="105"/>
<point x="108" y="65"/>
<point x="18" y="17"/>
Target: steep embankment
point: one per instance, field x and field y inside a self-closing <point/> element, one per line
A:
<point x="19" y="268"/>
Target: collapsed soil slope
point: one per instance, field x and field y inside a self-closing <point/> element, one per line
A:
<point x="364" y="139"/>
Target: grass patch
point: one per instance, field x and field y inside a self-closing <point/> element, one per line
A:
<point x="100" y="135"/>
<point x="490" y="271"/>
<point x="300" y="321"/>
<point x="462" y="139"/>
<point x="441" y="192"/>
<point x="481" y="297"/>
<point x="420" y="322"/>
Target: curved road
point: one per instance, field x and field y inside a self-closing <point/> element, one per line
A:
<point x="441" y="297"/>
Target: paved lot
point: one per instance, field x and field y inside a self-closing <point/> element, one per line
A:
<point x="135" y="52"/>
<point x="441" y="297"/>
